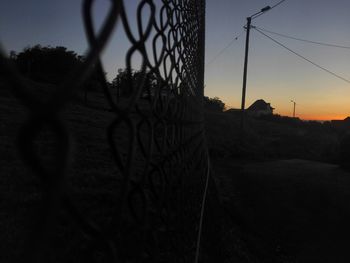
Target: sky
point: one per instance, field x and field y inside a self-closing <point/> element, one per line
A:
<point x="274" y="74"/>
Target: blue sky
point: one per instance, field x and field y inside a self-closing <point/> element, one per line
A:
<point x="274" y="74"/>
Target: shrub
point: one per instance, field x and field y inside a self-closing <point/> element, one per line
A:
<point x="214" y="104"/>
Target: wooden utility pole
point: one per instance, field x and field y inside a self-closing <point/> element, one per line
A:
<point x="247" y="27"/>
<point x="249" y="20"/>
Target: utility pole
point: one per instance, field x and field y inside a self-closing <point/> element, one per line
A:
<point x="244" y="88"/>
<point x="249" y="21"/>
<point x="294" y="103"/>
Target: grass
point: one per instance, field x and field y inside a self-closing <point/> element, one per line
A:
<point x="94" y="179"/>
<point x="298" y="207"/>
<point x="271" y="138"/>
<point x="271" y="210"/>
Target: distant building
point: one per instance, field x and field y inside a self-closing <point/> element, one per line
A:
<point x="347" y="120"/>
<point x="260" y="107"/>
<point x="341" y="123"/>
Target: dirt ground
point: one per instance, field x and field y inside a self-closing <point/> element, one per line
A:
<point x="300" y="208"/>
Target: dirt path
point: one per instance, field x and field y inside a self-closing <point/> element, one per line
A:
<point x="302" y="207"/>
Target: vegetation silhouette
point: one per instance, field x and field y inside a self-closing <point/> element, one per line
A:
<point x="51" y="65"/>
<point x="126" y="80"/>
<point x="46" y="64"/>
<point x="214" y="104"/>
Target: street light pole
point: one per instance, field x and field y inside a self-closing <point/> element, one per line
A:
<point x="294" y="103"/>
<point x="248" y="26"/>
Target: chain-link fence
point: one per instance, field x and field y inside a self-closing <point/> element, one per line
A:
<point x="155" y="133"/>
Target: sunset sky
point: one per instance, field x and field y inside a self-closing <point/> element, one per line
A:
<point x="274" y="74"/>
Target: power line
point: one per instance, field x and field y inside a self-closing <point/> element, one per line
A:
<point x="302" y="57"/>
<point x="224" y="49"/>
<point x="280" y="2"/>
<point x="272" y="7"/>
<point x="304" y="40"/>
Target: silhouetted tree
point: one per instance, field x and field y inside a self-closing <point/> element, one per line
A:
<point x="46" y="64"/>
<point x="120" y="83"/>
<point x="52" y="65"/>
<point x="124" y="88"/>
<point x="214" y="104"/>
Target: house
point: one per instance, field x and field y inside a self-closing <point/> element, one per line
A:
<point x="260" y="107"/>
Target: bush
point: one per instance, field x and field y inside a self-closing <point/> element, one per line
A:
<point x="214" y="104"/>
<point x="46" y="64"/>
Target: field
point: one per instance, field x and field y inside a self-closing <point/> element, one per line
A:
<point x="299" y="208"/>
<point x="281" y="185"/>
<point x="94" y="181"/>
<point x="283" y="196"/>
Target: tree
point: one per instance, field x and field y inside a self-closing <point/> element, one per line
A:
<point x="120" y="83"/>
<point x="52" y="65"/>
<point x="214" y="104"/>
<point x="46" y="64"/>
<point x="123" y="87"/>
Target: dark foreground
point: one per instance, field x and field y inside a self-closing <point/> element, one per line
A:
<point x="291" y="210"/>
<point x="273" y="211"/>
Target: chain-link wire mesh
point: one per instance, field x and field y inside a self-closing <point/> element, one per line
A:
<point x="155" y="133"/>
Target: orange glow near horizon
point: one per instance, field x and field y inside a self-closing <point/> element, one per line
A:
<point x="321" y="117"/>
<point x="315" y="116"/>
<point x="311" y="116"/>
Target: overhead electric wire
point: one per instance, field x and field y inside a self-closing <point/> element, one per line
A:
<point x="280" y="2"/>
<point x="272" y="7"/>
<point x="224" y="49"/>
<point x="303" y="40"/>
<point x="302" y="57"/>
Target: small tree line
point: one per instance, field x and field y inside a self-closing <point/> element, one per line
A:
<point x="46" y="64"/>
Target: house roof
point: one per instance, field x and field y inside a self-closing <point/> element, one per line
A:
<point x="259" y="105"/>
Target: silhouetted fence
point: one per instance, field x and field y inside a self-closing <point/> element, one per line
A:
<point x="160" y="152"/>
